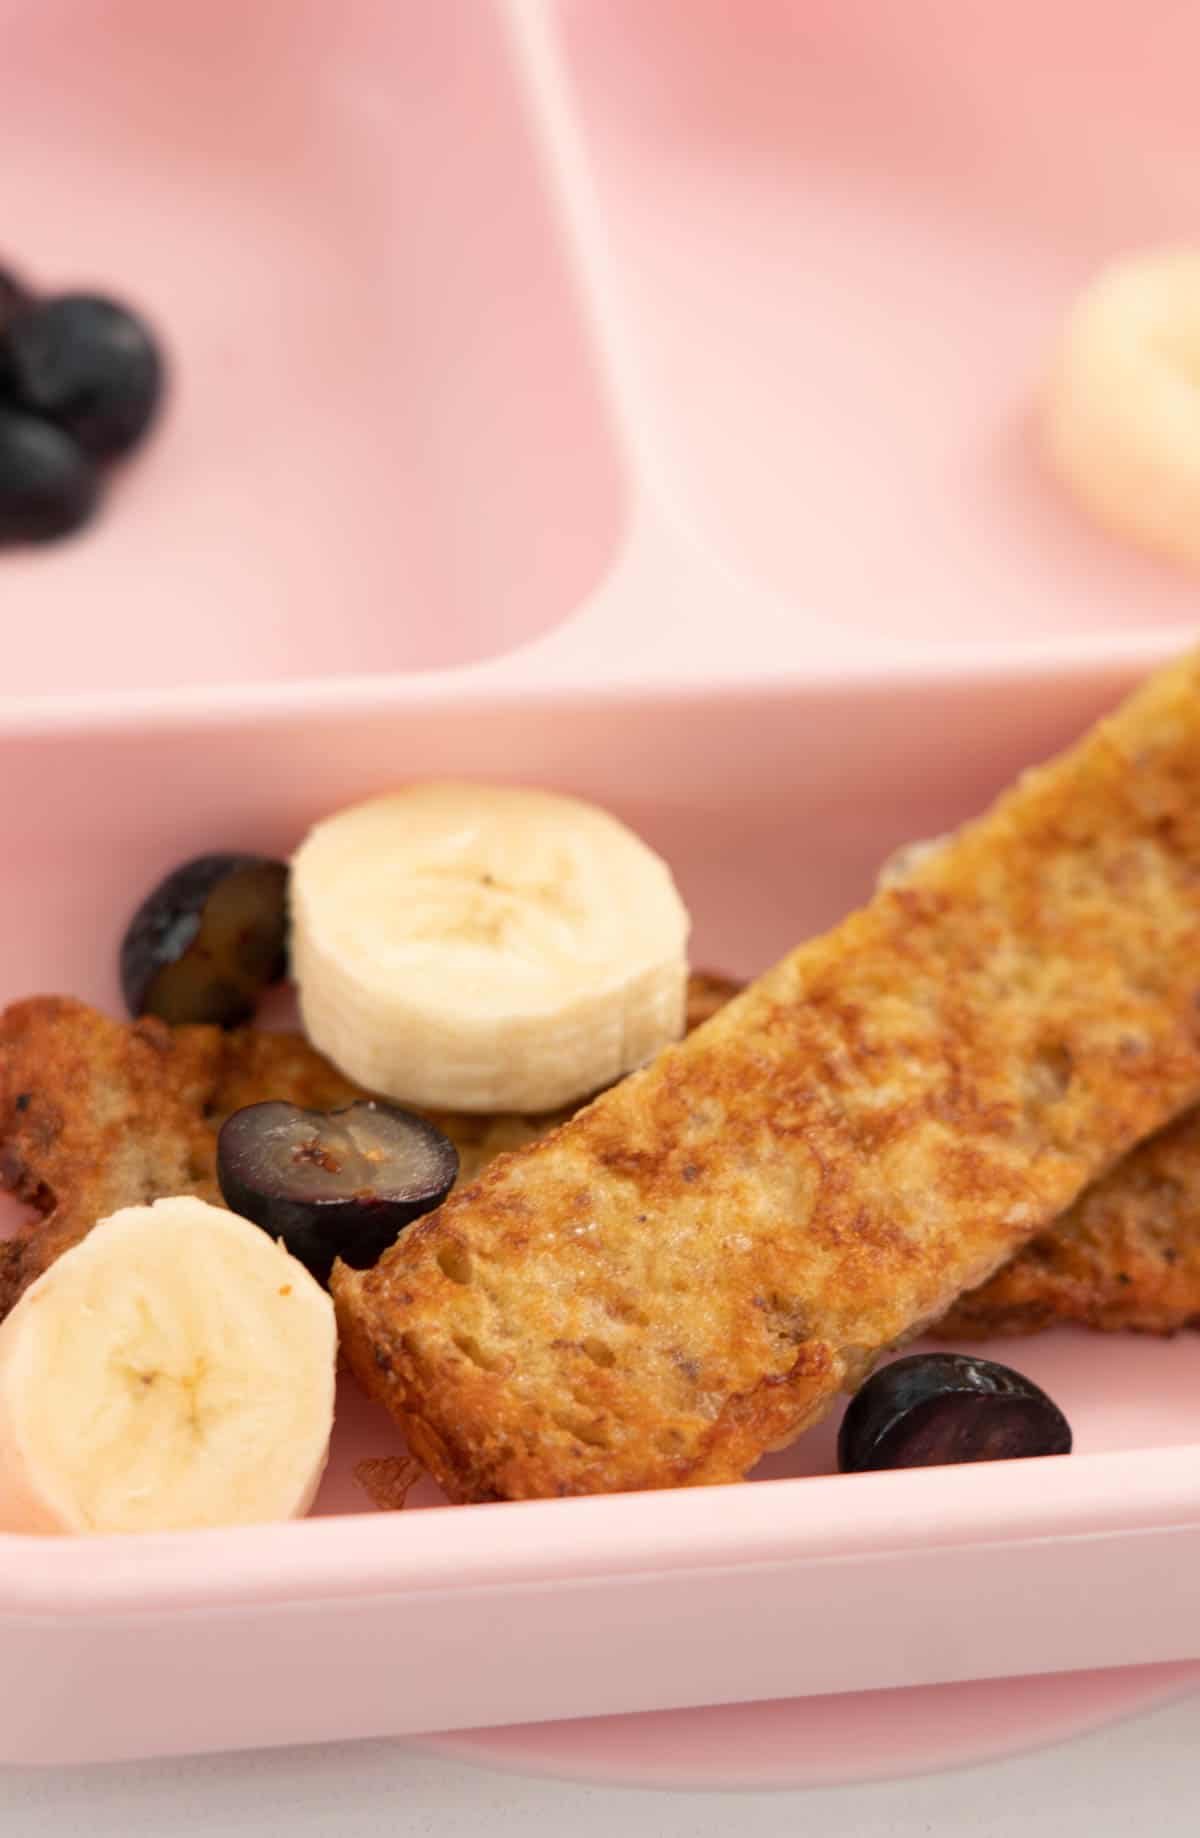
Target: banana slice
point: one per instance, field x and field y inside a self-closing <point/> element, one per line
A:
<point x="176" y="1368"/>
<point x="1122" y="411"/>
<point x="481" y="948"/>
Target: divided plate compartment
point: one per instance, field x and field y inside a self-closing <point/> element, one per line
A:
<point x="633" y="401"/>
<point x="527" y="341"/>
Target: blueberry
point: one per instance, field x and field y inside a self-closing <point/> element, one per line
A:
<point x="48" y="486"/>
<point x="87" y="364"/>
<point x="934" y="1408"/>
<point x="13" y="294"/>
<point x="206" y="943"/>
<point x="340" y="1183"/>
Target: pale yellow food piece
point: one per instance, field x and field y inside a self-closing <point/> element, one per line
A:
<point x="1121" y="409"/>
<point x="175" y="1369"/>
<point x="485" y="948"/>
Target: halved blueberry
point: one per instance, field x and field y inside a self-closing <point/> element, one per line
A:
<point x="936" y="1408"/>
<point x="207" y="942"/>
<point x="340" y="1183"/>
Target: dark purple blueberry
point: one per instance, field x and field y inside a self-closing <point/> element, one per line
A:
<point x="13" y="294"/>
<point x="87" y="364"/>
<point x="340" y="1183"/>
<point x="48" y="485"/>
<point x="934" y="1408"/>
<point x="208" y="941"/>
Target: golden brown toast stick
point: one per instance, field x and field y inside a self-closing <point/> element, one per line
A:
<point x="1125" y="1256"/>
<point x="137" y="1111"/>
<point x="686" y="1274"/>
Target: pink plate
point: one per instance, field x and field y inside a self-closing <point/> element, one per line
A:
<point x="802" y="1583"/>
<point x="634" y="400"/>
<point x="825" y="1742"/>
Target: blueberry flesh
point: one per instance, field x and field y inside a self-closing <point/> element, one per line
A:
<point x="48" y="485"/>
<point x="207" y="942"/>
<point x="935" y="1408"/>
<point x="87" y="364"/>
<point x="331" y="1184"/>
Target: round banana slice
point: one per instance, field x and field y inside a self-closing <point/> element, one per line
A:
<point x="174" y="1369"/>
<point x="483" y="948"/>
<point x="1121" y="424"/>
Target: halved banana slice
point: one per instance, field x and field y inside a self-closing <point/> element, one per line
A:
<point x="176" y="1368"/>
<point x="1121" y="421"/>
<point x="485" y="948"/>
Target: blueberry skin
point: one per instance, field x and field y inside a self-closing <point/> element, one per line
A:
<point x="48" y="485"/>
<point x="206" y="943"/>
<point x="13" y="294"/>
<point x="303" y="1177"/>
<point x="932" y="1409"/>
<point x="86" y="363"/>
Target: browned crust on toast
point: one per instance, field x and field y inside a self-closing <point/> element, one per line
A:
<point x="1124" y="1259"/>
<point x="97" y="1114"/>
<point x="1125" y="1256"/>
<point x="686" y="1274"/>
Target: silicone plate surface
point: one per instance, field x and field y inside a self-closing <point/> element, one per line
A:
<point x="617" y="400"/>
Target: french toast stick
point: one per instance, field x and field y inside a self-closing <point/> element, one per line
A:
<point x="688" y="1272"/>
<point x="97" y="1114"/>
<point x="1125" y="1256"/>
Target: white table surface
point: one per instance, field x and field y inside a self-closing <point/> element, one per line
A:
<point x="1139" y="1776"/>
